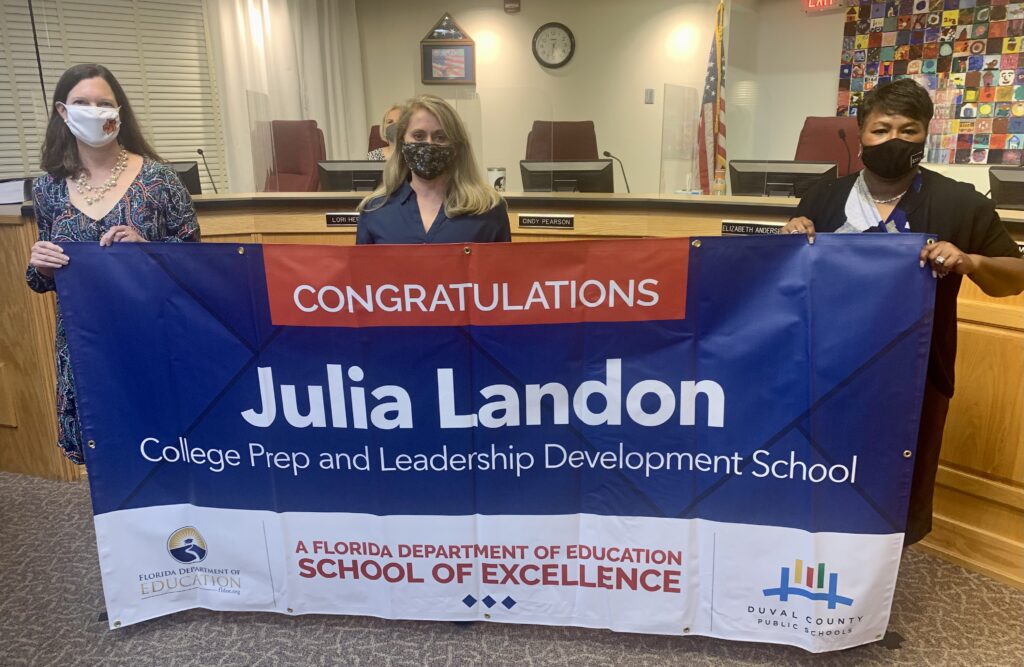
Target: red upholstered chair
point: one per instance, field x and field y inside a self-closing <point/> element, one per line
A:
<point x="298" y="146"/>
<point x="562" y="140"/>
<point x="820" y="141"/>
<point x="375" y="141"/>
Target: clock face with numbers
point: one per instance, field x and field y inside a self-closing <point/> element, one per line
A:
<point x="553" y="45"/>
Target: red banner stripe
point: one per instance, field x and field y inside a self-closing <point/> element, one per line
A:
<point x="487" y="284"/>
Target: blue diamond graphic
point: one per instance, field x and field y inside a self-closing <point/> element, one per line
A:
<point x="489" y="601"/>
<point x="469" y="600"/>
<point x="508" y="602"/>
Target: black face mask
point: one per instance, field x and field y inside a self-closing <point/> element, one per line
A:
<point x="894" y="158"/>
<point x="428" y="160"/>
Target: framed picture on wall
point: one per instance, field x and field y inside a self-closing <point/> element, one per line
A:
<point x="447" y="54"/>
<point x="448" y="63"/>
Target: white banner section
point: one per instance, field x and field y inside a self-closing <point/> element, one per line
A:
<point x="822" y="592"/>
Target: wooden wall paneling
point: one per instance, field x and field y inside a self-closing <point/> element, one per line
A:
<point x="979" y="510"/>
<point x="614" y="223"/>
<point x="969" y="291"/>
<point x="542" y="238"/>
<point x="979" y="494"/>
<point x="27" y="325"/>
<point x="230" y="238"/>
<point x="978" y="550"/>
<point x="984" y="431"/>
<point x="311" y="238"/>
<point x="8" y="413"/>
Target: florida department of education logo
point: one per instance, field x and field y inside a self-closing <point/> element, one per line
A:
<point x="186" y="545"/>
<point x="808" y="583"/>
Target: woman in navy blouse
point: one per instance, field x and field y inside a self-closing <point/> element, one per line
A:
<point x="103" y="183"/>
<point x="432" y="190"/>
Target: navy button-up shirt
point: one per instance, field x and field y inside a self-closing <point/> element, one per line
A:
<point x="399" y="221"/>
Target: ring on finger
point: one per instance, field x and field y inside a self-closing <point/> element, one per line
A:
<point x="940" y="260"/>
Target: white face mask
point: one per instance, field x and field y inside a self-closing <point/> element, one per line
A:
<point x="95" y="126"/>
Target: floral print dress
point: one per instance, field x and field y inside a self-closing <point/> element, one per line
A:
<point x="155" y="204"/>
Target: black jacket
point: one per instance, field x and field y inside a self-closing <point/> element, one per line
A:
<point x="951" y="210"/>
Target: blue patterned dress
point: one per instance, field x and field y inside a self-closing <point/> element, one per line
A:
<point x="156" y="205"/>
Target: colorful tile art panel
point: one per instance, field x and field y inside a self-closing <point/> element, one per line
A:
<point x="969" y="54"/>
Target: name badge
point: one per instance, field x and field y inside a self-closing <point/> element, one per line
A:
<point x="744" y="227"/>
<point x="546" y="221"/>
<point x="343" y="219"/>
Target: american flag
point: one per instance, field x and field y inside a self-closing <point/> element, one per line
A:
<point x="448" y="63"/>
<point x="711" y="129"/>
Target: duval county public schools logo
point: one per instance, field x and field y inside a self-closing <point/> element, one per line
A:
<point x="186" y="545"/>
<point x="808" y="583"/>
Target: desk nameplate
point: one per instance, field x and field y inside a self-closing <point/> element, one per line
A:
<point x="546" y="221"/>
<point x="343" y="219"/>
<point x="744" y="227"/>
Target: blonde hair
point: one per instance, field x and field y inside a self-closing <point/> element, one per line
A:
<point x="467" y="193"/>
<point x="384" y="120"/>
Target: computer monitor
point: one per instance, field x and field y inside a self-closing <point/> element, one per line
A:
<point x="777" y="178"/>
<point x="567" y="176"/>
<point x="1007" y="187"/>
<point x="188" y="172"/>
<point x="16" y="190"/>
<point x="350" y="175"/>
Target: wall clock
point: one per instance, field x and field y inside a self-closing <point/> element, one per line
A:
<point x="553" y="45"/>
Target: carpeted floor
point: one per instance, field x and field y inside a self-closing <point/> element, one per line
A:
<point x="51" y="601"/>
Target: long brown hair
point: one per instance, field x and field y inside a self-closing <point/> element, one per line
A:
<point x="468" y="192"/>
<point x="60" y="149"/>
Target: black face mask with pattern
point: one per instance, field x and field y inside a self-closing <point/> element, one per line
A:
<point x="893" y="158"/>
<point x="428" y="160"/>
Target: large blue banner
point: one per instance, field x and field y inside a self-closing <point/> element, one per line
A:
<point x="732" y="417"/>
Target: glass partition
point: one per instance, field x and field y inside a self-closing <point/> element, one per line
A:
<point x="678" y="141"/>
<point x="500" y="120"/>
<point x="525" y="139"/>
<point x="262" y="141"/>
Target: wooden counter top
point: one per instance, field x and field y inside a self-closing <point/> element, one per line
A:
<point x="598" y="214"/>
<point x="546" y="198"/>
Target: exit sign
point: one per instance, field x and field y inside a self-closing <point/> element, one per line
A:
<point x="821" y="5"/>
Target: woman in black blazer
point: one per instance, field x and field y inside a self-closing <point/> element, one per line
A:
<point x="893" y="194"/>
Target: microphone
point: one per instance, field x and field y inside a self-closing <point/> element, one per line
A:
<point x="607" y="154"/>
<point x="208" y="174"/>
<point x="849" y="157"/>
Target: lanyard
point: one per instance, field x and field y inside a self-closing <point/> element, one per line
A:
<point x="898" y="223"/>
<point x="894" y="226"/>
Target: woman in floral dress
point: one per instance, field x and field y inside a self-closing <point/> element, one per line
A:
<point x="103" y="183"/>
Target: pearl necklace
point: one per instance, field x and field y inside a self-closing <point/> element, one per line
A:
<point x="96" y="194"/>
<point x="889" y="200"/>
